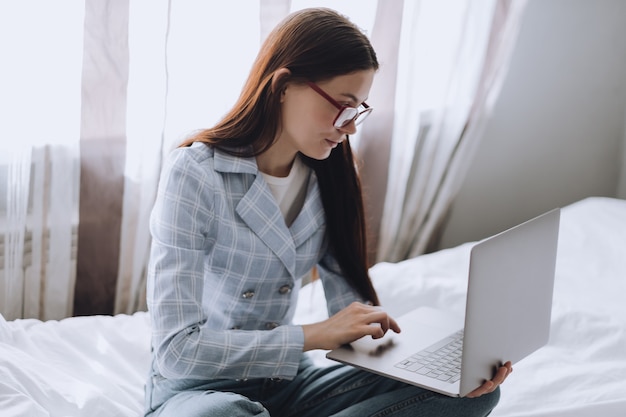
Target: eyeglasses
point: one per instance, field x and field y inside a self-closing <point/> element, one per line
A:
<point x="346" y="114"/>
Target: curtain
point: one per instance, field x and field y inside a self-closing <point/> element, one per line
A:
<point x="374" y="143"/>
<point x="39" y="135"/>
<point x="95" y="93"/>
<point x="448" y="90"/>
<point x="147" y="89"/>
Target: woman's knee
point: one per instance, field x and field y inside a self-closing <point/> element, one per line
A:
<point x="486" y="403"/>
<point x="211" y="403"/>
<point x="470" y="407"/>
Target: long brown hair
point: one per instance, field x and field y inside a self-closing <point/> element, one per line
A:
<point x="315" y="45"/>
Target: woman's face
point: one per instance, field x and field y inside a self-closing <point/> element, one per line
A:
<point x="307" y="117"/>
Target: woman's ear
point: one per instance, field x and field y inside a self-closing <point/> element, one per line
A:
<point x="279" y="78"/>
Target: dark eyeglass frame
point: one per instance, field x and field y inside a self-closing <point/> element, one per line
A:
<point x="347" y="114"/>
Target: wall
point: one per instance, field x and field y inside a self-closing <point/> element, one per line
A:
<point x="621" y="189"/>
<point x="557" y="133"/>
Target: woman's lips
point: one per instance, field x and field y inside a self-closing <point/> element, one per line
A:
<point x="332" y="143"/>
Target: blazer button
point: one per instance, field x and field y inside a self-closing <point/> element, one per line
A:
<point x="248" y="294"/>
<point x="285" y="289"/>
<point x="271" y="325"/>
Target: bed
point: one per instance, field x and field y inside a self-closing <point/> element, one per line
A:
<point x="96" y="366"/>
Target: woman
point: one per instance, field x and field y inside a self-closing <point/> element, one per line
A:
<point x="245" y="210"/>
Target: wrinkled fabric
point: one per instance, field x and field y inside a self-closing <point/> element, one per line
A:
<point x="92" y="366"/>
<point x="97" y="366"/>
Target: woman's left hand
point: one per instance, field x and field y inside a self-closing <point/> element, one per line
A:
<point x="490" y="386"/>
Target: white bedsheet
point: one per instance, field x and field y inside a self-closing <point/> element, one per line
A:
<point x="81" y="366"/>
<point x="582" y="370"/>
<point x="96" y="366"/>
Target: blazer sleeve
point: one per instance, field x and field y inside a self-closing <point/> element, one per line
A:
<point x="184" y="345"/>
<point x="339" y="293"/>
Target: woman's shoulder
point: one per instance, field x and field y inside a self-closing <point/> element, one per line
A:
<point x="189" y="165"/>
<point x="197" y="160"/>
<point x="219" y="160"/>
<point x="197" y="152"/>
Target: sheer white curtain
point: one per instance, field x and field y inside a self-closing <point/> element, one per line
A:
<point x="39" y="132"/>
<point x="446" y="92"/>
<point x="94" y="93"/>
<point x="148" y="29"/>
<point x="188" y="62"/>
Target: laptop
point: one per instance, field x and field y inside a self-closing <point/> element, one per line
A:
<point x="507" y="316"/>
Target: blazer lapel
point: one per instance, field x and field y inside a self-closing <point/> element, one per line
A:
<point x="311" y="216"/>
<point x="258" y="209"/>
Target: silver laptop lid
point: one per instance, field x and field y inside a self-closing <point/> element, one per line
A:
<point x="512" y="273"/>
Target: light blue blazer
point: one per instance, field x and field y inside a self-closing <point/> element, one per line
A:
<point x="225" y="270"/>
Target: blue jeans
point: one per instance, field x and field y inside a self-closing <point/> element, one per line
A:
<point x="338" y="391"/>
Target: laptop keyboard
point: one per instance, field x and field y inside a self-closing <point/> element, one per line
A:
<point x="441" y="361"/>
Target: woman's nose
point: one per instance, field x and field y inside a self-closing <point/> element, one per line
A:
<point x="348" y="129"/>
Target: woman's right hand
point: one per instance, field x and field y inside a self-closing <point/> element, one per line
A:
<point x="351" y="323"/>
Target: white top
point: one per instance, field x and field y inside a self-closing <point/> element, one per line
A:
<point x="290" y="191"/>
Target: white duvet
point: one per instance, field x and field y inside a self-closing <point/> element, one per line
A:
<point x="96" y="366"/>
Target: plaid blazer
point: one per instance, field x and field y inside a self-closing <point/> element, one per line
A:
<point x="225" y="270"/>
